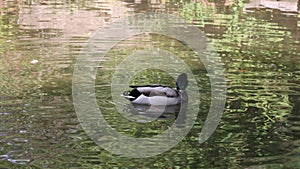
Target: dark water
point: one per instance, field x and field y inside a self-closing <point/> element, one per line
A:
<point x="258" y="42"/>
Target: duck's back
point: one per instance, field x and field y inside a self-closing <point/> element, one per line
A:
<point x="158" y="91"/>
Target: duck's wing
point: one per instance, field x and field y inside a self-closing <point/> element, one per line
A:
<point x="170" y="92"/>
<point x="151" y="85"/>
<point x="160" y="90"/>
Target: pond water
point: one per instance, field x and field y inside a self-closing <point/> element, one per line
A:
<point x="257" y="41"/>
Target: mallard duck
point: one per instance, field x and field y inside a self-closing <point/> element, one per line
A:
<point x="158" y="94"/>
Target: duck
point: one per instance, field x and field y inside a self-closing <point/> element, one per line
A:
<point x="156" y="94"/>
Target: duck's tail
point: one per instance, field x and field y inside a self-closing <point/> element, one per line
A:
<point x="126" y="95"/>
<point x="132" y="95"/>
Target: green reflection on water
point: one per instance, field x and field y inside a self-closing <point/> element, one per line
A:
<point x="259" y="129"/>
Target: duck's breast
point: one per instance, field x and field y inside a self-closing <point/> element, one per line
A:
<point x="162" y="100"/>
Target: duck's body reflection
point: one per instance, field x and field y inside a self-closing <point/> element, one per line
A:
<point x="148" y="113"/>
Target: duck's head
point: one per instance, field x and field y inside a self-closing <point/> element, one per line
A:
<point x="182" y="82"/>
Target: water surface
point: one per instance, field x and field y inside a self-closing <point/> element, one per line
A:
<point x="258" y="42"/>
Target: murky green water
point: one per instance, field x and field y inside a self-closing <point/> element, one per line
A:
<point x="258" y="42"/>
